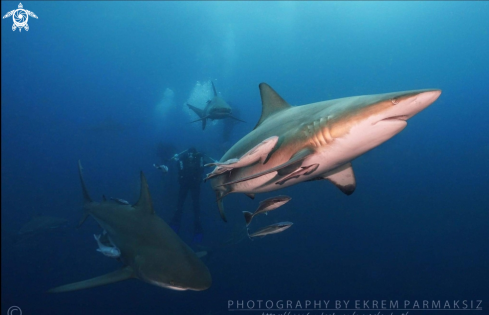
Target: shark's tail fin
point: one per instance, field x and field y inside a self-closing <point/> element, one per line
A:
<point x="248" y="216"/>
<point x="200" y="113"/>
<point x="86" y="196"/>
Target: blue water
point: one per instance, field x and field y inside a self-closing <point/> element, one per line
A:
<point x="106" y="82"/>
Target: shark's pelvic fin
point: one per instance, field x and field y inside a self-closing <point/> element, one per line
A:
<point x="271" y="103"/>
<point x="116" y="276"/>
<point x="343" y="178"/>
<point x="284" y="169"/>
<point x="214" y="88"/>
<point x="144" y="203"/>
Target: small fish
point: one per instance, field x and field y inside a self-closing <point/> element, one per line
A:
<point x="120" y="201"/>
<point x="271" y="229"/>
<point x="109" y="251"/>
<point x="265" y="206"/>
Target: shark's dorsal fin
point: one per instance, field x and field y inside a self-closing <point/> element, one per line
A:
<point x="271" y="103"/>
<point x="214" y="88"/>
<point x="144" y="203"/>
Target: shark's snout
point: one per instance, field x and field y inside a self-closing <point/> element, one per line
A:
<point x="406" y="106"/>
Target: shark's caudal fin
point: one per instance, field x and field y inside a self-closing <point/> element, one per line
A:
<point x="248" y="216"/>
<point x="86" y="196"/>
<point x="116" y="276"/>
<point x="144" y="203"/>
<point x="214" y="88"/>
<point x="271" y="103"/>
<point x="200" y="113"/>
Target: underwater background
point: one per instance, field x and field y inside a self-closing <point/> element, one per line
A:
<point x="107" y="83"/>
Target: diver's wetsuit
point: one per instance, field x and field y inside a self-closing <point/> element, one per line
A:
<point x="190" y="173"/>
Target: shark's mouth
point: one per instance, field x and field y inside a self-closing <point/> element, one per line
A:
<point x="398" y="117"/>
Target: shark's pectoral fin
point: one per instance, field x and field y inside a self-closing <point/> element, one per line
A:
<point x="144" y="203"/>
<point x="283" y="169"/>
<point x="343" y="178"/>
<point x="198" y="111"/>
<point x="116" y="276"/>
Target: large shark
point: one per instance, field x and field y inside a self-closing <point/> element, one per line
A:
<point x="216" y="108"/>
<point x="149" y="248"/>
<point x="293" y="144"/>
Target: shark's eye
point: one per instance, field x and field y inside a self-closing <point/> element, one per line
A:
<point x="394" y="101"/>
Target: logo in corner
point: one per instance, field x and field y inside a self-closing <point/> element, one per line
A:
<point x="20" y="17"/>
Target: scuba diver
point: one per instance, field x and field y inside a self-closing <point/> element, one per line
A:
<point x="190" y="175"/>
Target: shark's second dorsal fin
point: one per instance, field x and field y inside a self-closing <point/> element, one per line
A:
<point x="144" y="203"/>
<point x="271" y="103"/>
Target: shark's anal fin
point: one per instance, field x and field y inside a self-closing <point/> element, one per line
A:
<point x="343" y="178"/>
<point x="291" y="165"/>
<point x="271" y="103"/>
<point x="144" y="203"/>
<point x="116" y="276"/>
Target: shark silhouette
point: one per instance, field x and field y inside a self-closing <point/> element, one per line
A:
<point x="41" y="223"/>
<point x="149" y="248"/>
<point x="293" y="144"/>
<point x="216" y="108"/>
